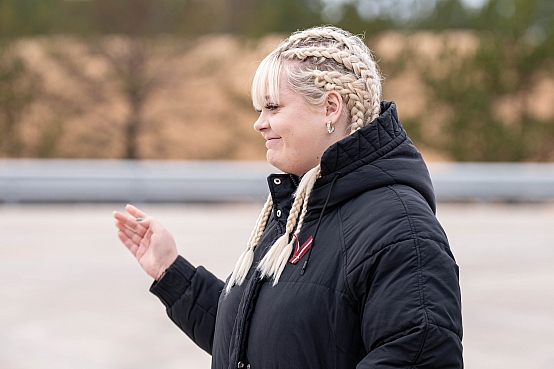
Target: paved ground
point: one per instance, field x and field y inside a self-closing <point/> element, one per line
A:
<point x="72" y="297"/>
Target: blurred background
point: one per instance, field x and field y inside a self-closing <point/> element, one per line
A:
<point x="153" y="79"/>
<point x="104" y="102"/>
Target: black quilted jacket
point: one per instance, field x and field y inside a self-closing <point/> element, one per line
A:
<point x="381" y="286"/>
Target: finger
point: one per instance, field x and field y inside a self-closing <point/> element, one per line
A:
<point x="122" y="226"/>
<point x="131" y="246"/>
<point x="125" y="219"/>
<point x="120" y="216"/>
<point x="133" y="236"/>
<point x="119" y="225"/>
<point x="140" y="227"/>
<point x="136" y="212"/>
<point x="130" y="236"/>
<point x="125" y="228"/>
<point x="147" y="237"/>
<point x="130" y="233"/>
<point x="131" y="223"/>
<point x="145" y="242"/>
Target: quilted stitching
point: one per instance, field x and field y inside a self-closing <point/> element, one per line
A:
<point x="363" y="142"/>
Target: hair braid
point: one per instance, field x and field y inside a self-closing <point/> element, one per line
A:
<point x="313" y="174"/>
<point x="351" y="90"/>
<point x="318" y="33"/>
<point x="247" y="257"/>
<point x="276" y="258"/>
<point x="362" y="99"/>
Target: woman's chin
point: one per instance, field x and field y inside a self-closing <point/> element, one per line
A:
<point x="271" y="159"/>
<point x="288" y="164"/>
<point x="277" y="161"/>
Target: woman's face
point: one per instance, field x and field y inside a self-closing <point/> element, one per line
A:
<point x="296" y="132"/>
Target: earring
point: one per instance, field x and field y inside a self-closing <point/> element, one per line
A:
<point x="330" y="128"/>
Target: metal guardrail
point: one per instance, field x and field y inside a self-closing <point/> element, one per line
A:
<point x="493" y="181"/>
<point x="59" y="180"/>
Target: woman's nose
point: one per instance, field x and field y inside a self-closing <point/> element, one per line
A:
<point x="261" y="123"/>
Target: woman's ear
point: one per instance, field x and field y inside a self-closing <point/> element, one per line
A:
<point x="333" y="106"/>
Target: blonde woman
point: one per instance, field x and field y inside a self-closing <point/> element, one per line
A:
<point x="347" y="266"/>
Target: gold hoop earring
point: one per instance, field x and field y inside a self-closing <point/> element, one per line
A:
<point x="330" y="128"/>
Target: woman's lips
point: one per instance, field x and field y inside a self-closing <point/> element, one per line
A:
<point x="271" y="142"/>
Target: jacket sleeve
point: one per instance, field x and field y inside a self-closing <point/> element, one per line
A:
<point x="190" y="296"/>
<point x="409" y="298"/>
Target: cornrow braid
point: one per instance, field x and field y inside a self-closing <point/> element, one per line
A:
<point x="318" y="52"/>
<point x="351" y="90"/>
<point x="318" y="33"/>
<point x="350" y="61"/>
<point x="368" y="92"/>
<point x="312" y="62"/>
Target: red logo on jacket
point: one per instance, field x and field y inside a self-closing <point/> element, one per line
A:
<point x="300" y="251"/>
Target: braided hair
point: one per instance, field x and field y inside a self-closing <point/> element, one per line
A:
<point x="312" y="62"/>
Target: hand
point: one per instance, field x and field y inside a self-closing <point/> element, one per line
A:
<point x="147" y="239"/>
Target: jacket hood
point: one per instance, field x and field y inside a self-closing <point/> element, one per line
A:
<point x="377" y="155"/>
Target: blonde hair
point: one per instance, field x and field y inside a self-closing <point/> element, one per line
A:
<point x="313" y="62"/>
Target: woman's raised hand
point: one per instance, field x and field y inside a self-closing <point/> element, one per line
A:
<point x="147" y="239"/>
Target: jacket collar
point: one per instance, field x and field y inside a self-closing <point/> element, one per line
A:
<point x="364" y="145"/>
<point x="377" y="155"/>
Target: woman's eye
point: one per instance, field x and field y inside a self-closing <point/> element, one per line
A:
<point x="272" y="106"/>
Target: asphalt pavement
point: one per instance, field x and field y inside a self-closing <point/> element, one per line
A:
<point x="71" y="296"/>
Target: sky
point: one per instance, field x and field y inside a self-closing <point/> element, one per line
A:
<point x="397" y="9"/>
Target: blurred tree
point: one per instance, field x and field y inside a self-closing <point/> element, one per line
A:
<point x="514" y="54"/>
<point x="447" y="14"/>
<point x="489" y="93"/>
<point x="128" y="56"/>
<point x="282" y="16"/>
<point x="18" y="88"/>
<point x="128" y="67"/>
<point x="349" y="17"/>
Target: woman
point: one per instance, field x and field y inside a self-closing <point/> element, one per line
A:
<point x="347" y="265"/>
